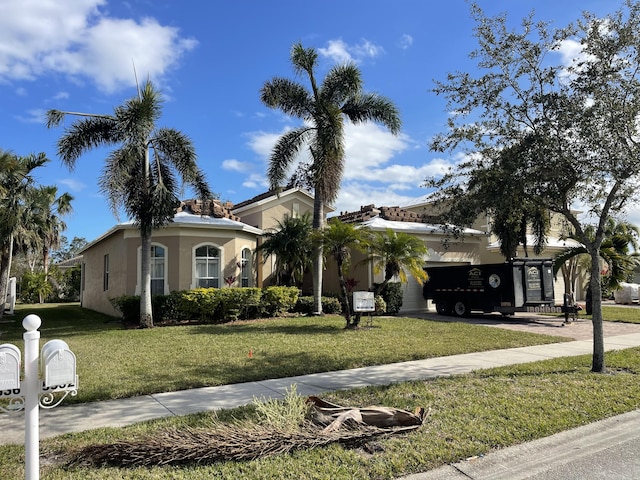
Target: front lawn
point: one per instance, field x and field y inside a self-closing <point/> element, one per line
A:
<point x="471" y="415"/>
<point x="114" y="362"/>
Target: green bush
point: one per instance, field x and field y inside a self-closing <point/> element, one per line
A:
<point x="330" y="305"/>
<point x="200" y="303"/>
<point x="235" y="303"/>
<point x="380" y="305"/>
<point x="278" y="300"/>
<point x="128" y="306"/>
<point x="392" y="295"/>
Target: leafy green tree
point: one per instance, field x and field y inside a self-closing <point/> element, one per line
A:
<point x="68" y="250"/>
<point x="338" y="239"/>
<point x="322" y="110"/>
<point x="574" y="123"/>
<point x="498" y="192"/>
<point x="290" y="244"/>
<point x="16" y="186"/>
<point x="395" y="253"/>
<point x="141" y="175"/>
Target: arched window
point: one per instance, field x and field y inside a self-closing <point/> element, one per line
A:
<point x="245" y="268"/>
<point x="158" y="257"/>
<point x="158" y="270"/>
<point x="207" y="268"/>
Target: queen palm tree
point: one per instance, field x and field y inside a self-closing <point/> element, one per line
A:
<point x="290" y="244"/>
<point x="141" y="174"/>
<point x="16" y="182"/>
<point x="394" y="252"/>
<point x="322" y="110"/>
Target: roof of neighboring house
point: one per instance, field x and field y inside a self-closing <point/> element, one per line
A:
<point x="212" y="207"/>
<point x="270" y="196"/>
<point x="69" y="262"/>
<point x="185" y="218"/>
<point x="396" y="214"/>
<point x="379" y="223"/>
<point x="552" y="243"/>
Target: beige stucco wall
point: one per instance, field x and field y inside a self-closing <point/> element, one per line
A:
<point x="123" y="248"/>
<point x="94" y="296"/>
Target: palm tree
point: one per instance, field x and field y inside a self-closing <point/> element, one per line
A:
<point x="290" y="244"/>
<point x="16" y="182"/>
<point x="322" y="111"/>
<point x="140" y="175"/>
<point x="53" y="208"/>
<point x="395" y="252"/>
<point x="614" y="252"/>
<point x="337" y="239"/>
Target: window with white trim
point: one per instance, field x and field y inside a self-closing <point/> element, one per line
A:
<point x="158" y="256"/>
<point x="245" y="268"/>
<point x="207" y="273"/>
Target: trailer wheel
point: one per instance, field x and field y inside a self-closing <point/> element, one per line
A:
<point x="460" y="309"/>
<point x="442" y="308"/>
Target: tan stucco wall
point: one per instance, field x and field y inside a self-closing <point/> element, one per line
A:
<point x="94" y="296"/>
<point x="123" y="250"/>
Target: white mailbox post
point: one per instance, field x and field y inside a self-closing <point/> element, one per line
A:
<point x="56" y="363"/>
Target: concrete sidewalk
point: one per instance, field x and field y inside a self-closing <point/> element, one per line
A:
<point x="118" y="413"/>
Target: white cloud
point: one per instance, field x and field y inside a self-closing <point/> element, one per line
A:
<point x="341" y="52"/>
<point x="35" y="115"/>
<point x="235" y="165"/>
<point x="405" y="41"/>
<point x="73" y="185"/>
<point x="75" y="38"/>
<point x="370" y="176"/>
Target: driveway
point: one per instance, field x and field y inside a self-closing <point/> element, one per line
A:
<point x="581" y="329"/>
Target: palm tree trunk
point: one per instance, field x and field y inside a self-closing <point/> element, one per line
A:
<point x="344" y="297"/>
<point x="5" y="267"/>
<point x="146" y="315"/>
<point x="318" y="224"/>
<point x="598" y="364"/>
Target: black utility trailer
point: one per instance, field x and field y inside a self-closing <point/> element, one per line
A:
<point x="520" y="285"/>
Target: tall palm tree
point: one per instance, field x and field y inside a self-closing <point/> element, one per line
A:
<point x="338" y="239"/>
<point x="290" y="244"/>
<point x="54" y="207"/>
<point x="322" y="111"/>
<point x="16" y="181"/>
<point x="141" y="174"/>
<point x="394" y="252"/>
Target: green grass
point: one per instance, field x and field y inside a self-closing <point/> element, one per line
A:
<point x="620" y="314"/>
<point x="471" y="415"/>
<point x="113" y="362"/>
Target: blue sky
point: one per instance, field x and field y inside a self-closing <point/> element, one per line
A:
<point x="210" y="59"/>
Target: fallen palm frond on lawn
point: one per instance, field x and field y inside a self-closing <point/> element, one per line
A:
<point x="351" y="427"/>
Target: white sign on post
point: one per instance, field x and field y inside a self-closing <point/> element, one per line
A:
<point x="364" y="302"/>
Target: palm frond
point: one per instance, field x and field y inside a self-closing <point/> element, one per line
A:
<point x="372" y="107"/>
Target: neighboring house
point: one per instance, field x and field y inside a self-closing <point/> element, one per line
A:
<point x="489" y="248"/>
<point x="206" y="245"/>
<point x="441" y="247"/>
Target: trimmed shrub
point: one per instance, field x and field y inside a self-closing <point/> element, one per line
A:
<point x="330" y="305"/>
<point x="128" y="306"/>
<point x="392" y="295"/>
<point x="278" y="300"/>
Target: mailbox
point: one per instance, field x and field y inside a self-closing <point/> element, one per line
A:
<point x="9" y="367"/>
<point x="58" y="364"/>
